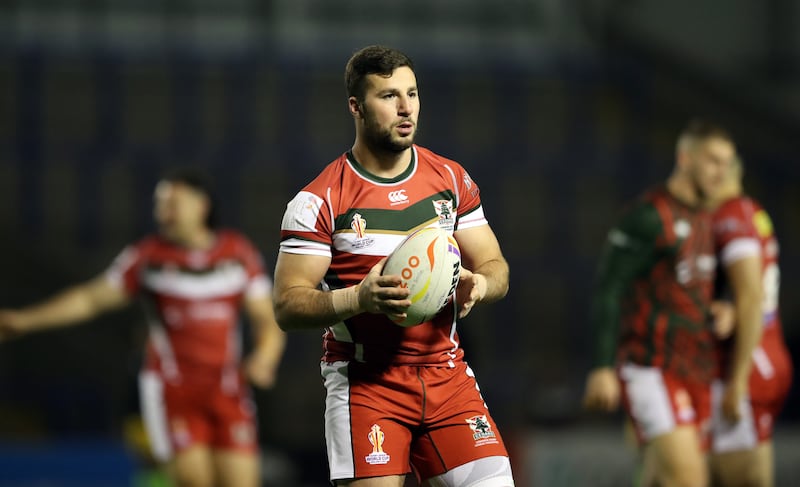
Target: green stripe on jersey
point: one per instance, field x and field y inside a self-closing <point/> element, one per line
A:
<point x="392" y="220"/>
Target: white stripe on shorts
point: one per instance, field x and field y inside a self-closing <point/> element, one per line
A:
<point x="651" y="407"/>
<point x="337" y="420"/>
<point x="726" y="436"/>
<point x="154" y="414"/>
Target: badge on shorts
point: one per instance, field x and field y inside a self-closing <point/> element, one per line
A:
<point x="378" y="456"/>
<point x="180" y="432"/>
<point x="242" y="433"/>
<point x="481" y="430"/>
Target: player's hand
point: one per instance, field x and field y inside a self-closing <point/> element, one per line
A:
<point x="723" y="316"/>
<point x="10" y="324"/>
<point x="732" y="400"/>
<point x="383" y="294"/>
<point x="261" y="370"/>
<point x="602" y="390"/>
<point x="471" y="289"/>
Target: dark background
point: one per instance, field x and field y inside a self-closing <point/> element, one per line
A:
<point x="561" y="111"/>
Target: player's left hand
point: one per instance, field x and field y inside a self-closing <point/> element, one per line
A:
<point x="471" y="289"/>
<point x="261" y="370"/>
<point x="732" y="400"/>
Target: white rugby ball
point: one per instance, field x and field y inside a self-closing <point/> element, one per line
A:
<point x="429" y="262"/>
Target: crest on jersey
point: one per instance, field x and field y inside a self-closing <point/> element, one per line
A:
<point x="682" y="228"/>
<point x="482" y="431"/>
<point x="359" y="226"/>
<point x="444" y="208"/>
<point x="376" y="438"/>
<point x="763" y="224"/>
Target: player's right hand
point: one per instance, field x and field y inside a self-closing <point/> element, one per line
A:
<point x="382" y="294"/>
<point x="10" y="324"/>
<point x="602" y="390"/>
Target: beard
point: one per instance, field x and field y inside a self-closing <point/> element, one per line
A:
<point x="381" y="140"/>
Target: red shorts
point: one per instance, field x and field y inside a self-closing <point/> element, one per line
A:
<point x="178" y="416"/>
<point x="390" y="421"/>
<point x="657" y="402"/>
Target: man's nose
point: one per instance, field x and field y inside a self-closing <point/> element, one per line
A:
<point x="403" y="105"/>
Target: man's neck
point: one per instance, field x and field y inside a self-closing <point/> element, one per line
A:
<point x="383" y="164"/>
<point x="200" y="239"/>
<point x="682" y="190"/>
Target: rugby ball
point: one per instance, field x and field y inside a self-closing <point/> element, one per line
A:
<point x="429" y="262"/>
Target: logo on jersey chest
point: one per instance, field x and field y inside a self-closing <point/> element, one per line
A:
<point x="447" y="217"/>
<point x="359" y="226"/>
<point x="398" y="197"/>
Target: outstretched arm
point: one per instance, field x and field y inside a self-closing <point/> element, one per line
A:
<point x="72" y="306"/>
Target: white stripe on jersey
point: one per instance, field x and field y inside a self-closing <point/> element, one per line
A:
<point x="740" y="248"/>
<point x="259" y="287"/>
<point x="224" y="280"/>
<point x="455" y="185"/>
<point x="163" y="348"/>
<point x="381" y="244"/>
<point x="763" y="363"/>
<point x="305" y="247"/>
<point x="472" y="219"/>
<point x="121" y="265"/>
<point x="341" y="333"/>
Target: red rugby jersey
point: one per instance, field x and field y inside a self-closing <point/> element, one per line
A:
<point x="356" y="218"/>
<point x="194" y="298"/>
<point x="742" y="228"/>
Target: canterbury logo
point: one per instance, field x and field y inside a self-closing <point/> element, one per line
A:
<point x="397" y="197"/>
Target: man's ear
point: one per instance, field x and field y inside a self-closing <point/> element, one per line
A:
<point x="355" y="107"/>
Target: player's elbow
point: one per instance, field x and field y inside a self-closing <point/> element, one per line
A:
<point x="503" y="290"/>
<point x="285" y="317"/>
<point x="282" y="317"/>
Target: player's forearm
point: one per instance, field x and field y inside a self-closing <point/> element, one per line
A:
<point x="749" y="329"/>
<point x="66" y="308"/>
<point x="496" y="273"/>
<point x="300" y="308"/>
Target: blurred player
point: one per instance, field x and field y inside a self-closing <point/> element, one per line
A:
<point x="655" y="349"/>
<point x="756" y="366"/>
<point x="196" y="405"/>
<point x="397" y="398"/>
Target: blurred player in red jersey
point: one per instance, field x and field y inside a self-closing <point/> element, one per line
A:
<point x="655" y="349"/>
<point x="398" y="399"/>
<point x="196" y="405"/>
<point x="755" y="363"/>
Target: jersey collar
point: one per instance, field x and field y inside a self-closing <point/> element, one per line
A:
<point x="359" y="169"/>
